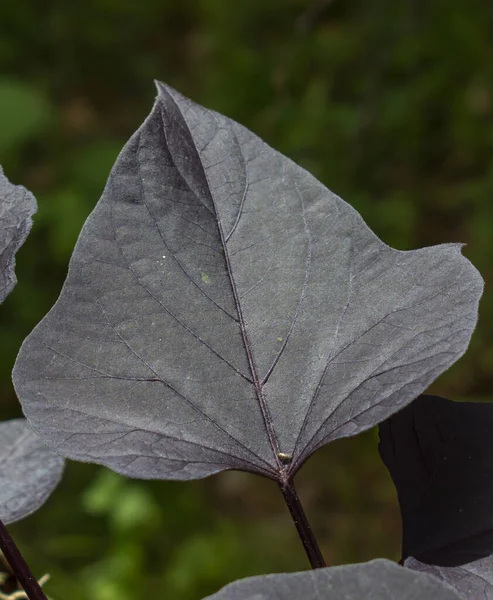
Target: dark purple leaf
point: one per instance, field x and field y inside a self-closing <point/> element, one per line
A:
<point x="17" y="205"/>
<point x="440" y="456"/>
<point x="29" y="470"/>
<point x="376" y="580"/>
<point x="224" y="310"/>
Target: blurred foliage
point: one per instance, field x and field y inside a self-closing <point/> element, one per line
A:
<point x="389" y="103"/>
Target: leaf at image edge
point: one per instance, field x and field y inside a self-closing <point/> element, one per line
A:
<point x="29" y="470"/>
<point x="17" y="206"/>
<point x="375" y="580"/>
<point x="439" y="455"/>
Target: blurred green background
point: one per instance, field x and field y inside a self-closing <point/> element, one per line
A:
<point x="389" y="103"/>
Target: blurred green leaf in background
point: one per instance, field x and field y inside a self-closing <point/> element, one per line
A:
<point x="389" y="103"/>
<point x="24" y="113"/>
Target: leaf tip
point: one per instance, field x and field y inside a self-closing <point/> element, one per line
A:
<point x="458" y="246"/>
<point x="476" y="277"/>
<point x="159" y="85"/>
<point x="163" y="89"/>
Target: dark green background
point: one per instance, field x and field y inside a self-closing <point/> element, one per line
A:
<point x="389" y="103"/>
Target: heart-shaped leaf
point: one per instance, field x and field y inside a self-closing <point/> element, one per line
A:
<point x="17" y="205"/>
<point x="375" y="580"/>
<point x="440" y="456"/>
<point x="29" y="470"/>
<point x="224" y="310"/>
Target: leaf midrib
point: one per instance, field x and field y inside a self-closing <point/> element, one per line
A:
<point x="257" y="384"/>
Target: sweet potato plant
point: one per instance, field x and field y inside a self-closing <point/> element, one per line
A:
<point x="225" y="310"/>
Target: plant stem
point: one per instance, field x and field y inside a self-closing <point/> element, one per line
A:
<point x="19" y="566"/>
<point x="302" y="526"/>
